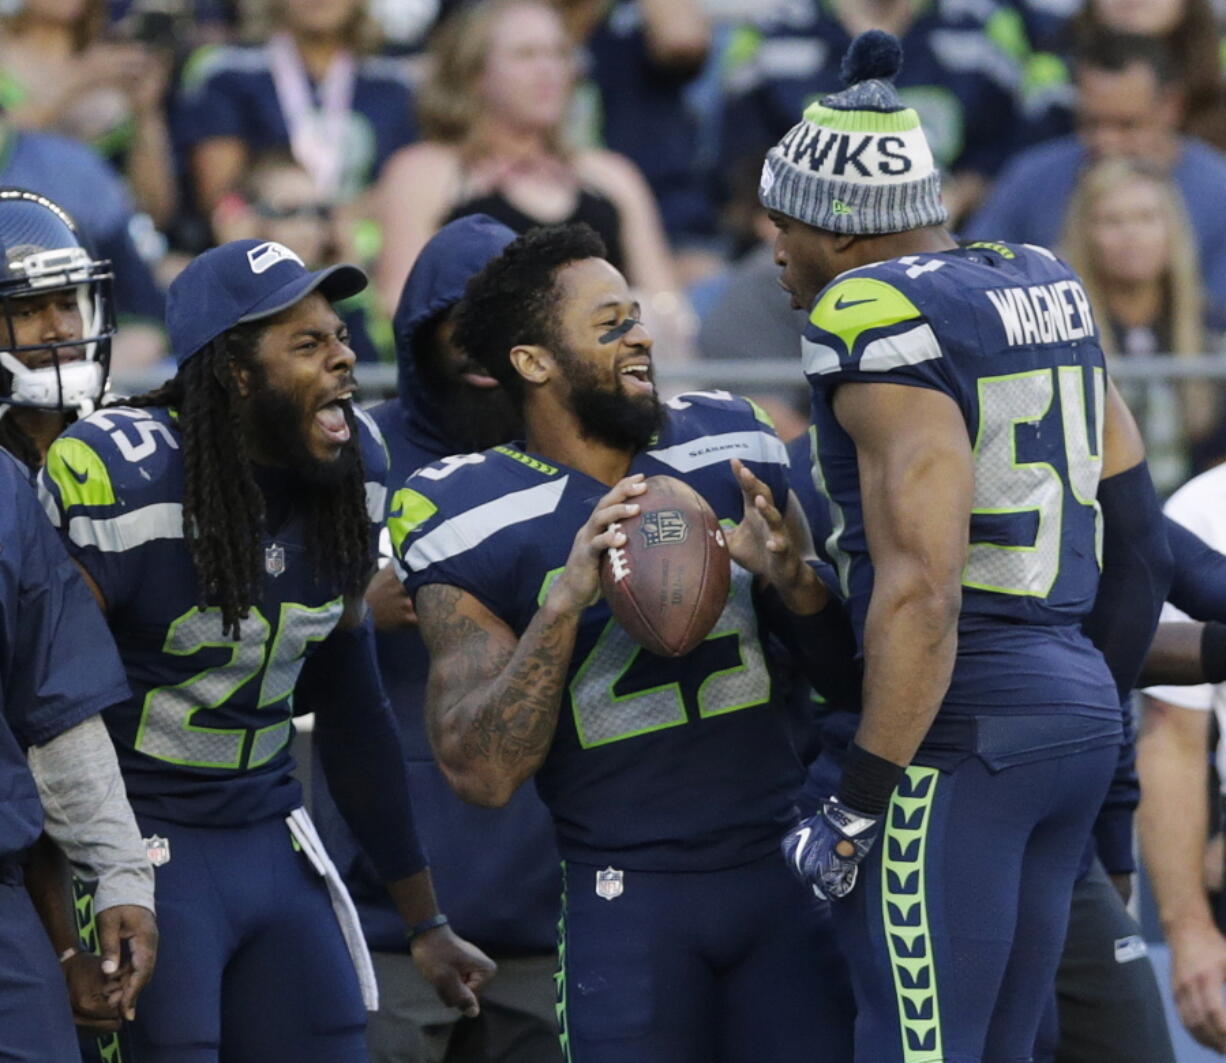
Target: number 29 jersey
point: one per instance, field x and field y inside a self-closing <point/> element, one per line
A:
<point x="657" y="764"/>
<point x="205" y="737"/>
<point x="1007" y="332"/>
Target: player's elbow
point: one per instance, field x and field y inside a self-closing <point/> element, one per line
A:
<point x="486" y="789"/>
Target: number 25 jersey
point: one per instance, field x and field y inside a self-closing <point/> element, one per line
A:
<point x="657" y="764"/>
<point x="1007" y="332"/>
<point x="205" y="737"/>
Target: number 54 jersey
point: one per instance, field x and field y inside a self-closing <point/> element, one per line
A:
<point x="657" y="764"/>
<point x="1007" y="332"/>
<point x="205" y="737"/>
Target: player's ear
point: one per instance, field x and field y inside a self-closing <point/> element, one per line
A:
<point x="532" y="362"/>
<point x="843" y="241"/>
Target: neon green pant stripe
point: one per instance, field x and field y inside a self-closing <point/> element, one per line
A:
<point x="108" y="1044"/>
<point x="559" y="979"/>
<point x="904" y="913"/>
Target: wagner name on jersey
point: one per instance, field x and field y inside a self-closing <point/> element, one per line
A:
<point x="205" y="737"/>
<point x="1006" y="331"/>
<point x="658" y="764"/>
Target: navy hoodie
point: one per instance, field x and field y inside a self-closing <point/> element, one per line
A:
<point x="496" y="871"/>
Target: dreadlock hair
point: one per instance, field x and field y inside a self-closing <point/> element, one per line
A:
<point x="513" y="300"/>
<point x="223" y="507"/>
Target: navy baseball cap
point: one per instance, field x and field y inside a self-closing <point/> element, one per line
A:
<point x="244" y="280"/>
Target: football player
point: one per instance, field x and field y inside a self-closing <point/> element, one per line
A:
<point x="223" y="523"/>
<point x="58" y="320"/>
<point x="978" y="465"/>
<point x="58" y="671"/>
<point x="681" y="936"/>
<point x="55" y="333"/>
<point x="448" y="404"/>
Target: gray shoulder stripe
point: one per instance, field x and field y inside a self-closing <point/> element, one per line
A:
<point x="699" y="453"/>
<point x="471" y="528"/>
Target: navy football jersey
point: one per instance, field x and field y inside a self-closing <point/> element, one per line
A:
<point x="205" y="737"/>
<point x="657" y="763"/>
<point x="1007" y="332"/>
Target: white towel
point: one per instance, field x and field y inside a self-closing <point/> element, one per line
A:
<point x="303" y="830"/>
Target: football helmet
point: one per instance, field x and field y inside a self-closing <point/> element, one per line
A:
<point x="40" y="252"/>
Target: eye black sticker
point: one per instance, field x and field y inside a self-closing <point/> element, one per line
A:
<point x="619" y="331"/>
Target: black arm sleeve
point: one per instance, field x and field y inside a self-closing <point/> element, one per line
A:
<point x="359" y="749"/>
<point x="822" y="646"/>
<point x="1136" y="576"/>
<point x="1198" y="584"/>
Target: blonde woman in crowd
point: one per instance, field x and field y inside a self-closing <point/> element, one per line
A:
<point x="493" y="111"/>
<point x="1129" y="239"/>
<point x="59" y="74"/>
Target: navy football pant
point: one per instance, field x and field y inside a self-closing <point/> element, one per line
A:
<point x="35" y="1018"/>
<point x="954" y="931"/>
<point x="251" y="964"/>
<point x="735" y="966"/>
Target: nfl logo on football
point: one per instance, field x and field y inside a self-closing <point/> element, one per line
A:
<point x="610" y="883"/>
<point x="663" y="527"/>
<point x="157" y="849"/>
<point x="274" y="560"/>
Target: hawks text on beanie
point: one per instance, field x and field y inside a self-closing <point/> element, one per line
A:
<point x="857" y="162"/>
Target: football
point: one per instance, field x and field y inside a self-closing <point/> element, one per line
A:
<point x="668" y="583"/>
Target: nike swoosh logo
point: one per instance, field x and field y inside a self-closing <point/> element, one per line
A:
<point x="803" y="836"/>
<point x="80" y="477"/>
<point x="841" y="304"/>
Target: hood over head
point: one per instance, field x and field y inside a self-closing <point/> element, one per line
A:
<point x="458" y="251"/>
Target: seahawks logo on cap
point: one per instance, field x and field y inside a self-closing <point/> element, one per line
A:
<point x="262" y="258"/>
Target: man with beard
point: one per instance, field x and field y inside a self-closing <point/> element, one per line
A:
<point x="222" y="523"/>
<point x="448" y="404"/>
<point x="668" y="779"/>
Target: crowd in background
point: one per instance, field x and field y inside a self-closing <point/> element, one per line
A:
<point x="353" y="129"/>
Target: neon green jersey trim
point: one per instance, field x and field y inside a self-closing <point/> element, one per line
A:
<point x="80" y="474"/>
<point x="409" y="510"/>
<point x="852" y="307"/>
<point x="527" y="459"/>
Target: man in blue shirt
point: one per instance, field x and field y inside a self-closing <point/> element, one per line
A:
<point x="1128" y="104"/>
<point x="76" y="177"/>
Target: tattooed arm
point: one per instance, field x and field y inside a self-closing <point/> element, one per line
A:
<point x="492" y="700"/>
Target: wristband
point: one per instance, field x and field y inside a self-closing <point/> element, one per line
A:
<point x="68" y="954"/>
<point x="433" y="923"/>
<point x="1213" y="651"/>
<point x="868" y="781"/>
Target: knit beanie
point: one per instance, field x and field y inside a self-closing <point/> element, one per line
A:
<point x="857" y="162"/>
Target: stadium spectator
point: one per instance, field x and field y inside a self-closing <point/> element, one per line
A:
<point x="279" y="201"/>
<point x="1128" y="238"/>
<point x="313" y="85"/>
<point x="73" y="175"/>
<point x="641" y="57"/>
<point x="962" y="76"/>
<point x="493" y="111"/>
<point x="60" y="74"/>
<point x="1128" y="104"/>
<point x="1188" y="28"/>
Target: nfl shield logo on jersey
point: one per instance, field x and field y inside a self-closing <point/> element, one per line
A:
<point x="664" y="526"/>
<point x="274" y="560"/>
<point x="610" y="883"/>
<point x="157" y="849"/>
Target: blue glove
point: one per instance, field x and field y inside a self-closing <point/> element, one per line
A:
<point x="825" y="850"/>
